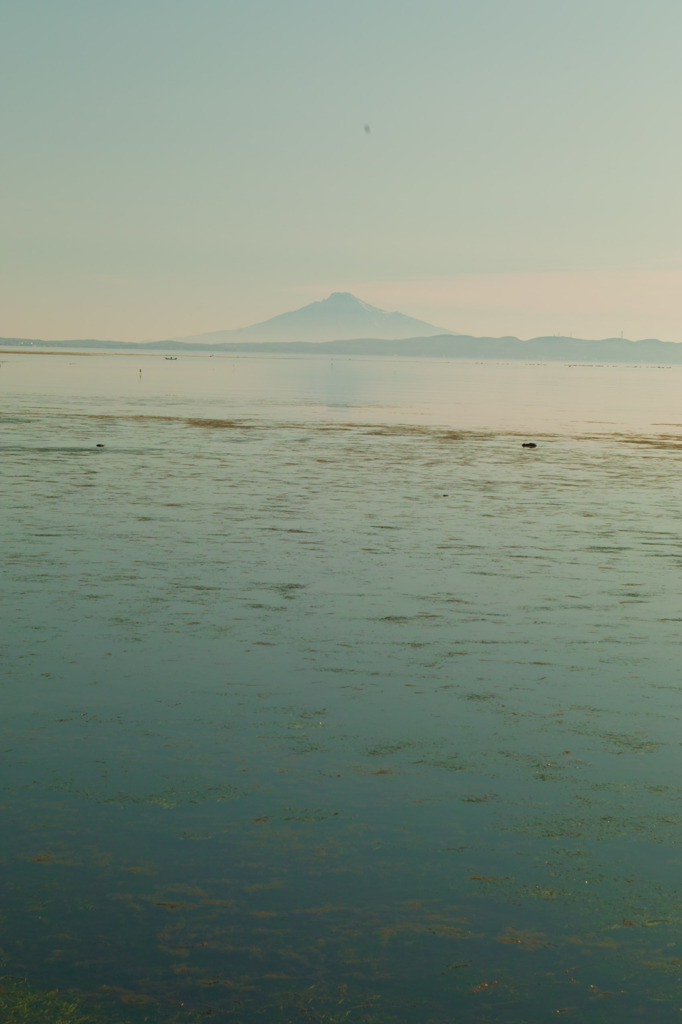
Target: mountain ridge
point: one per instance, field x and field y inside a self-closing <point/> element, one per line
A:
<point x="340" y="315"/>
<point x="342" y="324"/>
<point x="648" y="351"/>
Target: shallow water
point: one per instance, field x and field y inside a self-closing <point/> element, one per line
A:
<point x="340" y="710"/>
<point x="514" y="396"/>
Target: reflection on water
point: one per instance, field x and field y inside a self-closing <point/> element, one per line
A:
<point x="337" y="718"/>
<point x="449" y="392"/>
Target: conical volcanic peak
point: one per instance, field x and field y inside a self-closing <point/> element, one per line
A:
<point x="339" y="317"/>
<point x="347" y="301"/>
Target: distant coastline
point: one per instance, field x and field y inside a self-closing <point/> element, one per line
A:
<point x="343" y="325"/>
<point x="649" y="351"/>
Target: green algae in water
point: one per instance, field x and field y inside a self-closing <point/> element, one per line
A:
<point x="167" y="799"/>
<point x="21" y="1004"/>
<point x="455" y="779"/>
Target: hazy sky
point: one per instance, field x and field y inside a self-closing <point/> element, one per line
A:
<point x="170" y="167"/>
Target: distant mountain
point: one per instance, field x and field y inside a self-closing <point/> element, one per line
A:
<point x="339" y="316"/>
<point x="650" y="351"/>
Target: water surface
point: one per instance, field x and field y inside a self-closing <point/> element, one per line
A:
<point x="324" y="699"/>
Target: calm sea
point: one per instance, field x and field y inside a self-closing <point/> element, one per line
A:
<point x="324" y="699"/>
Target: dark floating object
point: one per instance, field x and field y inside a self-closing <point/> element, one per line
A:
<point x="529" y="444"/>
<point x="99" y="446"/>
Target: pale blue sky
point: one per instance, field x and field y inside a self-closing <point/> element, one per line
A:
<point x="172" y="167"/>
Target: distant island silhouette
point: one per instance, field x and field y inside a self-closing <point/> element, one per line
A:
<point x="340" y="316"/>
<point x="345" y="325"/>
